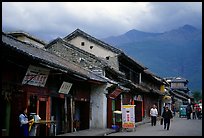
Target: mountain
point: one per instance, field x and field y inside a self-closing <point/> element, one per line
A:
<point x="130" y="36"/>
<point x="177" y="52"/>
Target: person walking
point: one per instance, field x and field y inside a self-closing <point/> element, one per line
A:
<point x="194" y="112"/>
<point x="167" y="116"/>
<point x="188" y="111"/>
<point x="153" y="114"/>
<point x="199" y="115"/>
<point x="24" y="123"/>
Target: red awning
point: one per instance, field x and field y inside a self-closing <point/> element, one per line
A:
<point x="115" y="93"/>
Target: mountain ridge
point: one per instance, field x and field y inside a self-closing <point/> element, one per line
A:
<point x="177" y="52"/>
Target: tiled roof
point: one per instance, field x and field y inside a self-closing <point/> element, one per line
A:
<point x="48" y="58"/>
<point x="133" y="61"/>
<point x="179" y="96"/>
<point x="20" y="33"/>
<point x="155" y="77"/>
<point x="79" y="32"/>
<point x="66" y="44"/>
<point x="176" y="79"/>
<point x="182" y="93"/>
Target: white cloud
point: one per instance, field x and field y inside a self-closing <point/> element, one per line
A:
<point x="100" y="19"/>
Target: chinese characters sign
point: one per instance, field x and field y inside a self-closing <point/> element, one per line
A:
<point x="128" y="116"/>
<point x="65" y="87"/>
<point x="36" y="76"/>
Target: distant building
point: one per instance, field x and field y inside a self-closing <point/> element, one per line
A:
<point x="179" y="91"/>
<point x="25" y="37"/>
<point x="178" y="83"/>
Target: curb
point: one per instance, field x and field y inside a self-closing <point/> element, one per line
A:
<point x="106" y="133"/>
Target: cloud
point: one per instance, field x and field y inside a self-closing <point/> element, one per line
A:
<point x="170" y="15"/>
<point x="100" y="19"/>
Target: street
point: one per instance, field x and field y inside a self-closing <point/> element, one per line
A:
<point x="178" y="127"/>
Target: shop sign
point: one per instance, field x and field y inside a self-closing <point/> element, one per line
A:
<point x="65" y="87"/>
<point x="115" y="93"/>
<point x="36" y="76"/>
<point x="128" y="116"/>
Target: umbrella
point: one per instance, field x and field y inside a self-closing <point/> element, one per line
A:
<point x="196" y="104"/>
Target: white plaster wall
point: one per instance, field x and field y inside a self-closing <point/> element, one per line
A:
<point x="97" y="50"/>
<point x="98" y="107"/>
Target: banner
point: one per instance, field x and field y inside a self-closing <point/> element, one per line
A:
<point x="128" y="116"/>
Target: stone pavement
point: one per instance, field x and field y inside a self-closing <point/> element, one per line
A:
<point x="90" y="132"/>
<point x="99" y="131"/>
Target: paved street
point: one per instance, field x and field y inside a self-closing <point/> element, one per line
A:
<point x="179" y="127"/>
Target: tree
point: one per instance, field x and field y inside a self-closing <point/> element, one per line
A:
<point x="197" y="96"/>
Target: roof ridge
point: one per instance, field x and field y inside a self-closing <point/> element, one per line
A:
<point x="96" y="40"/>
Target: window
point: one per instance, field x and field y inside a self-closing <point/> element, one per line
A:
<point x="82" y="43"/>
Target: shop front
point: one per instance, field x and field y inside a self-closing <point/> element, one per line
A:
<point x="116" y="98"/>
<point x="81" y="106"/>
<point x="139" y="111"/>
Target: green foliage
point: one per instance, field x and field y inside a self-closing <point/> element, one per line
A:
<point x="197" y="95"/>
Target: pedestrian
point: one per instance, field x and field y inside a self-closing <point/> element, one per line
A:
<point x="167" y="116"/>
<point x="174" y="110"/>
<point x="24" y="123"/>
<point x="194" y="112"/>
<point x="153" y="114"/>
<point x="188" y="111"/>
<point x="198" y="109"/>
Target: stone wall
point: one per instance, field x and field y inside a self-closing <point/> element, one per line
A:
<point x="81" y="58"/>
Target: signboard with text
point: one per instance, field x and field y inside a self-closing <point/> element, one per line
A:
<point x="128" y="116"/>
<point x="36" y="76"/>
<point x="65" y="87"/>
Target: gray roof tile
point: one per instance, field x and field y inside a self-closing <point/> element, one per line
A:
<point x="48" y="58"/>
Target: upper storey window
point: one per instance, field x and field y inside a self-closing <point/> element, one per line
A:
<point x="82" y="43"/>
<point x="91" y="47"/>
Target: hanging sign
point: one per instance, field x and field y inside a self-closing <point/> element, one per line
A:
<point x="65" y="87"/>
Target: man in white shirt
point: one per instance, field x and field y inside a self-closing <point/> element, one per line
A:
<point x="153" y="114"/>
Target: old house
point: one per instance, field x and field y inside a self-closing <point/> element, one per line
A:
<point x="98" y="101"/>
<point x="179" y="91"/>
<point x="156" y="86"/>
<point x="97" y="77"/>
<point x="25" y="37"/>
<point x="33" y="77"/>
<point x="133" y="75"/>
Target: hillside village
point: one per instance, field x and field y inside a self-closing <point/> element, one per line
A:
<point x="79" y="82"/>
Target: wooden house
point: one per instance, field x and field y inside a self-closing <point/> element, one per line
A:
<point x="33" y="77"/>
<point x="131" y="80"/>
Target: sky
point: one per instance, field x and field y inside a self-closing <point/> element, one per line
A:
<point x="49" y="20"/>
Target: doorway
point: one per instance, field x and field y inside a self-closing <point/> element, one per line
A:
<point x="138" y="111"/>
<point x="42" y="114"/>
<point x="81" y="116"/>
<point x="58" y="113"/>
